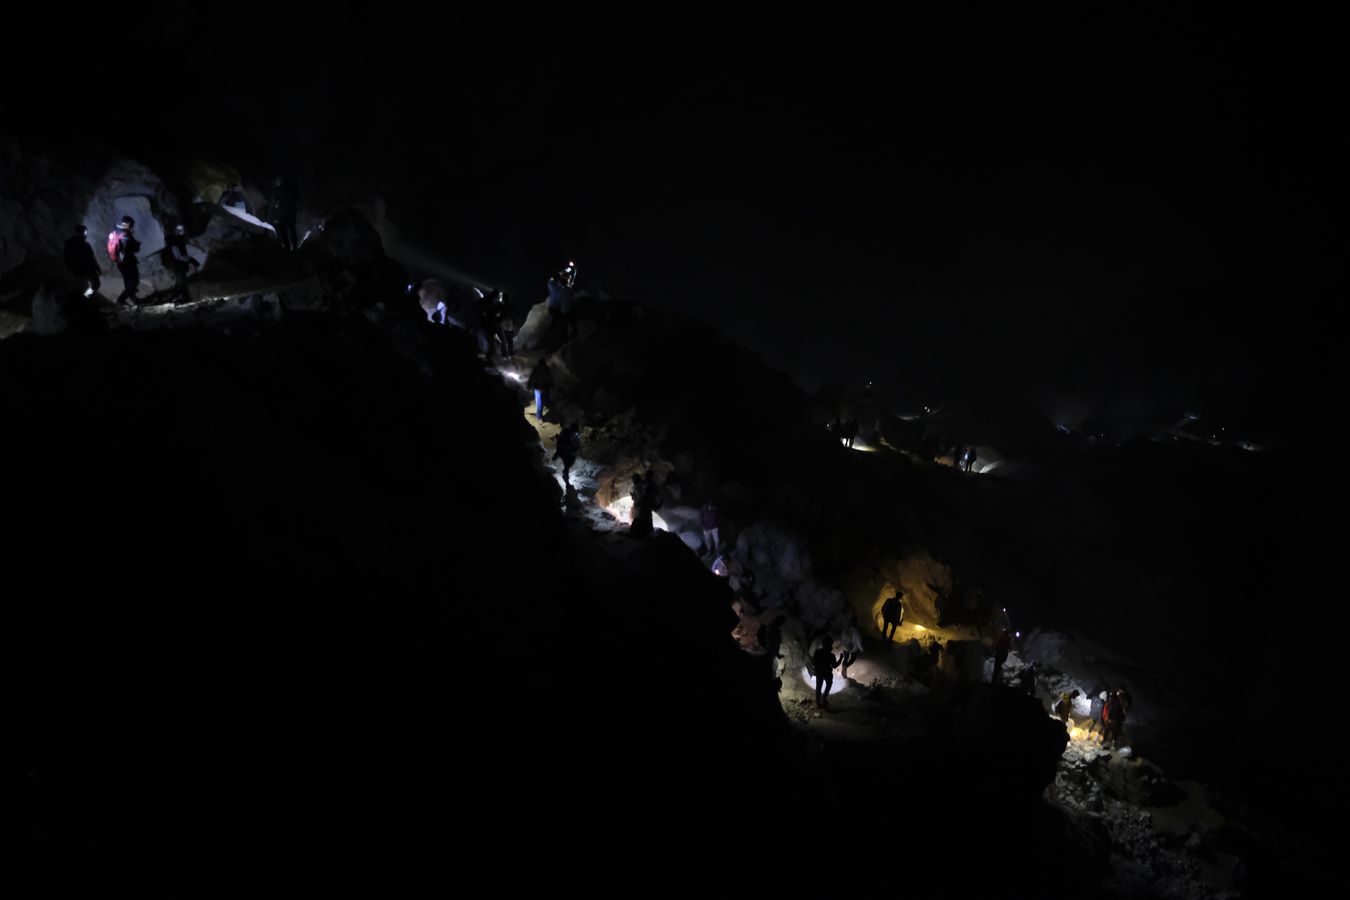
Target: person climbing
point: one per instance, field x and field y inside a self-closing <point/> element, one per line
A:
<point x="122" y="250"/>
<point x="285" y="203"/>
<point x="81" y="262"/>
<point x="770" y="638"/>
<point x="823" y="662"/>
<point x="646" y="500"/>
<point x="850" y="645"/>
<point x="541" y="382"/>
<point x="707" y="515"/>
<point x="561" y="298"/>
<point x="1002" y="647"/>
<point x="567" y="448"/>
<point x="892" y="614"/>
<point x="1063" y="707"/>
<point x="506" y="324"/>
<point x="182" y="264"/>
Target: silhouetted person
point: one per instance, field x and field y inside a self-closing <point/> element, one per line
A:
<point x="486" y="322"/>
<point x="81" y="262"/>
<point x="850" y="432"/>
<point x="541" y="382"/>
<point x="1002" y="646"/>
<point x="506" y="324"/>
<point x="707" y="516"/>
<point x="182" y="263"/>
<point x="1026" y="679"/>
<point x="892" y="614"/>
<point x="646" y="500"/>
<point x="968" y="458"/>
<point x="823" y="662"/>
<point x="770" y="638"/>
<point x="122" y="250"/>
<point x="561" y="299"/>
<point x="567" y="448"/>
<point x="850" y="646"/>
<point x="285" y="205"/>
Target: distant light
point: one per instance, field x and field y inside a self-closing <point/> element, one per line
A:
<point x="514" y="376"/>
<point x="919" y="628"/>
<point x="89" y="292"/>
<point x="1017" y="633"/>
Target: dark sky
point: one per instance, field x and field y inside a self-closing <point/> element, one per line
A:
<point x="1132" y="212"/>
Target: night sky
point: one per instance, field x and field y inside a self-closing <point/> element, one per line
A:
<point x="1123" y="216"/>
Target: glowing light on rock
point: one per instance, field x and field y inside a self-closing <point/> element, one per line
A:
<point x="836" y="686"/>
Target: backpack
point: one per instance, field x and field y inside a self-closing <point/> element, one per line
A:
<point x="114" y="245"/>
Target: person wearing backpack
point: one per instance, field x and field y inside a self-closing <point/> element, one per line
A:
<point x="122" y="250"/>
<point x="1113" y="718"/>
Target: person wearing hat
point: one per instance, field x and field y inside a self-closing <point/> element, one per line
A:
<point x="123" y="247"/>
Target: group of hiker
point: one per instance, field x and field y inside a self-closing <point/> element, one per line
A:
<point x="123" y="249"/>
<point x="1107" y="711"/>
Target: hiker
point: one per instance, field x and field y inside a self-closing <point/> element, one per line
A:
<point x="567" y="447"/>
<point x="1113" y="718"/>
<point x="122" y="250"/>
<point x="81" y="262"/>
<point x="968" y="458"/>
<point x="1026" y="679"/>
<point x="850" y="432"/>
<point x="823" y="662"/>
<point x="850" y="645"/>
<point x="541" y="382"/>
<point x="284" y="206"/>
<point x="1063" y="707"/>
<point x="561" y="298"/>
<point x="1002" y="646"/>
<point x="486" y="323"/>
<point x="892" y="614"/>
<point x="182" y="263"/>
<point x="1097" y="702"/>
<point x="506" y="324"/>
<point x="770" y="638"/>
<point x="708" y="519"/>
<point x="646" y="500"/>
